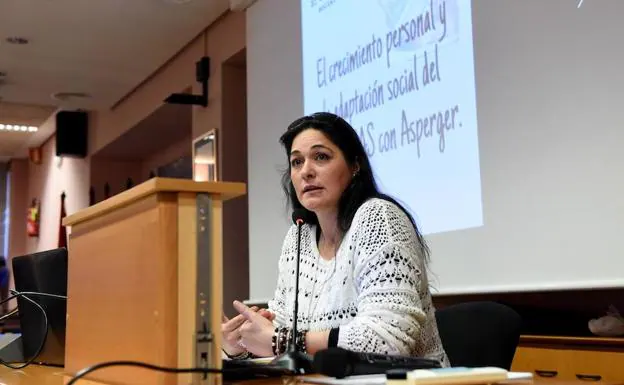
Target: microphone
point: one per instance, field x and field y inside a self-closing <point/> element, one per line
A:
<point x="299" y="216"/>
<point x="340" y="363"/>
<point x="293" y="360"/>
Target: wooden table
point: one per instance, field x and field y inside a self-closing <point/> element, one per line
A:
<point x="569" y="357"/>
<point x="41" y="375"/>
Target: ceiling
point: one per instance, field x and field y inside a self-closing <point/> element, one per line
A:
<point x="102" y="48"/>
<point x="15" y="144"/>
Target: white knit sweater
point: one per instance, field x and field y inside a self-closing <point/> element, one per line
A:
<point x="375" y="289"/>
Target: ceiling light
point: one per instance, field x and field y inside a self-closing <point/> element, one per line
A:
<point x="17" y="40"/>
<point x="18" y="128"/>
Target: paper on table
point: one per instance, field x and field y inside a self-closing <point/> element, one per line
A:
<point x="368" y="379"/>
<point x="380" y="379"/>
<point x="263" y="360"/>
<point x="519" y="375"/>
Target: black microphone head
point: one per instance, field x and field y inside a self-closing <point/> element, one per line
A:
<point x="300" y="215"/>
<point x="334" y="362"/>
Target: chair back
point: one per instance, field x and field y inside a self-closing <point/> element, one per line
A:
<point x="480" y="333"/>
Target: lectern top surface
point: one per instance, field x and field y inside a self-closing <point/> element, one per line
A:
<point x="219" y="190"/>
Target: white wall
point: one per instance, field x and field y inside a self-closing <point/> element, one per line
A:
<point x="274" y="98"/>
<point x="46" y="182"/>
<point x="548" y="88"/>
<point x="549" y="94"/>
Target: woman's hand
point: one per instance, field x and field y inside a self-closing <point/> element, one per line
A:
<point x="256" y="332"/>
<point x="231" y="334"/>
<point x="230" y="330"/>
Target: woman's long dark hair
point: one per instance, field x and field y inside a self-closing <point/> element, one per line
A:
<point x="363" y="185"/>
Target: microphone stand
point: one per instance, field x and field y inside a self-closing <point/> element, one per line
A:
<point x="294" y="360"/>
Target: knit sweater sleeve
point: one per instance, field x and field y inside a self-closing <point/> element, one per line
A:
<point x="278" y="304"/>
<point x="388" y="282"/>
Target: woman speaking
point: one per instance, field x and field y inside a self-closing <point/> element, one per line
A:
<point x="363" y="273"/>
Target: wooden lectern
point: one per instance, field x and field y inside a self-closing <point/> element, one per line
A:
<point x="145" y="281"/>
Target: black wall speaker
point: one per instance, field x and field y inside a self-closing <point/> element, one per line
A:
<point x="72" y="133"/>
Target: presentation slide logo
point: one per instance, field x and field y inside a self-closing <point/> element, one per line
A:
<point x="321" y="5"/>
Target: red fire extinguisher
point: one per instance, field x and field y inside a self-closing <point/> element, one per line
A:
<point x="32" y="220"/>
